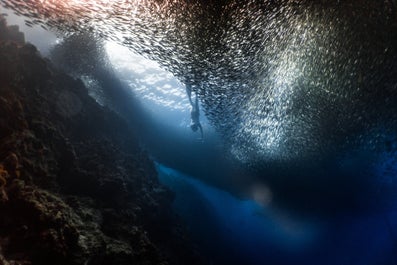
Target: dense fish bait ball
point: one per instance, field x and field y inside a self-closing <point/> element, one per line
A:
<point x="278" y="79"/>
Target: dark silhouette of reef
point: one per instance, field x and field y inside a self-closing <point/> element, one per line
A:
<point x="75" y="186"/>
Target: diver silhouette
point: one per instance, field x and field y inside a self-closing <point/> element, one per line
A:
<point x="195" y="112"/>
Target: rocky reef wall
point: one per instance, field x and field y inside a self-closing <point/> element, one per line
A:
<point x="75" y="186"/>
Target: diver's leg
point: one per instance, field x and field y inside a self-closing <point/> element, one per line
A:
<point x="189" y="93"/>
<point x="197" y="103"/>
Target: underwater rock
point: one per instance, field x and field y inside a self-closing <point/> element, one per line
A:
<point x="76" y="188"/>
<point x="10" y="33"/>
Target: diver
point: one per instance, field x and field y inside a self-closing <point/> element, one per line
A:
<point x="189" y="93"/>
<point x="194" y="113"/>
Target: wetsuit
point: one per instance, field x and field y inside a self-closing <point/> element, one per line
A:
<point x="195" y="112"/>
<point x="195" y="118"/>
<point x="189" y="93"/>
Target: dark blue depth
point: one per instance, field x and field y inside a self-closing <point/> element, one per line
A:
<point x="235" y="231"/>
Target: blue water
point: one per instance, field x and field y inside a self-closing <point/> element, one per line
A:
<point x="240" y="231"/>
<point x="267" y="229"/>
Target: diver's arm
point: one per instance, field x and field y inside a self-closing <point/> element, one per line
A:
<point x="201" y="132"/>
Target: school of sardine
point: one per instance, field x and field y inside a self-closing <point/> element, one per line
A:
<point x="278" y="79"/>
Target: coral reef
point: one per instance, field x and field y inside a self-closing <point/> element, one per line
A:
<point x="76" y="188"/>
